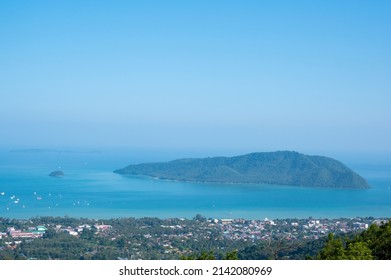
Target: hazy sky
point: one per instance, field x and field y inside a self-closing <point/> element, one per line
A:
<point x="241" y="75"/>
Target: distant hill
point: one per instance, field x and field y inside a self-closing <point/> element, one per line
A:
<point x="281" y="168"/>
<point x="57" y="173"/>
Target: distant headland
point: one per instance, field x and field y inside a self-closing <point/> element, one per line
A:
<point x="277" y="168"/>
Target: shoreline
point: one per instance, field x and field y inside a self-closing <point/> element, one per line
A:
<point x="197" y="215"/>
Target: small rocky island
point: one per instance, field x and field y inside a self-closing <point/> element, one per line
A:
<point x="57" y="173"/>
<point x="276" y="168"/>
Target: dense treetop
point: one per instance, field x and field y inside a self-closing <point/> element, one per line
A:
<point x="281" y="168"/>
<point x="374" y="243"/>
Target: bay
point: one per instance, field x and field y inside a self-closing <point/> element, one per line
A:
<point x="90" y="189"/>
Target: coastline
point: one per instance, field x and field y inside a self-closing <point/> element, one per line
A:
<point x="93" y="190"/>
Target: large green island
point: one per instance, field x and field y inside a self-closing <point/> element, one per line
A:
<point x="278" y="168"/>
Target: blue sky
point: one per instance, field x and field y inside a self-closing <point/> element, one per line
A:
<point x="311" y="76"/>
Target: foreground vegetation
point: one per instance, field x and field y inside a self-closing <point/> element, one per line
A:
<point x="374" y="243"/>
<point x="279" y="168"/>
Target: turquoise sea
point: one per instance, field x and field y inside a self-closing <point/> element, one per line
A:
<point x="90" y="189"/>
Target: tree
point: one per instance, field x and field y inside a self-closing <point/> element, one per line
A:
<point x="87" y="234"/>
<point x="378" y="240"/>
<point x="210" y="255"/>
<point x="276" y="245"/>
<point x="49" y="233"/>
<point x="374" y="243"/>
<point x="201" y="256"/>
<point x="231" y="255"/>
<point x="199" y="218"/>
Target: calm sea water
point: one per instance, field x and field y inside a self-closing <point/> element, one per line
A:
<point x="90" y="189"/>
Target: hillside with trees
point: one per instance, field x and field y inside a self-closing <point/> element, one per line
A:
<point x="372" y="244"/>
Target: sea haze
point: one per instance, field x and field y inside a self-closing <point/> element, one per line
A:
<point x="90" y="189"/>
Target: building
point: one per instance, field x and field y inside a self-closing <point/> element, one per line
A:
<point x="35" y="233"/>
<point x="103" y="227"/>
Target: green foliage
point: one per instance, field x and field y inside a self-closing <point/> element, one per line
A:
<point x="49" y="233"/>
<point x="231" y="255"/>
<point x="374" y="243"/>
<point x="199" y="218"/>
<point x="333" y="250"/>
<point x="254" y="252"/>
<point x="358" y="251"/>
<point x="284" y="168"/>
<point x="378" y="240"/>
<point x="279" y="249"/>
<point x="87" y="234"/>
<point x="60" y="246"/>
<point x="210" y="255"/>
<point x="6" y="255"/>
<point x="201" y="256"/>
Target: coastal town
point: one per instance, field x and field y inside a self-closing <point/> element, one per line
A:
<point x="152" y="238"/>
